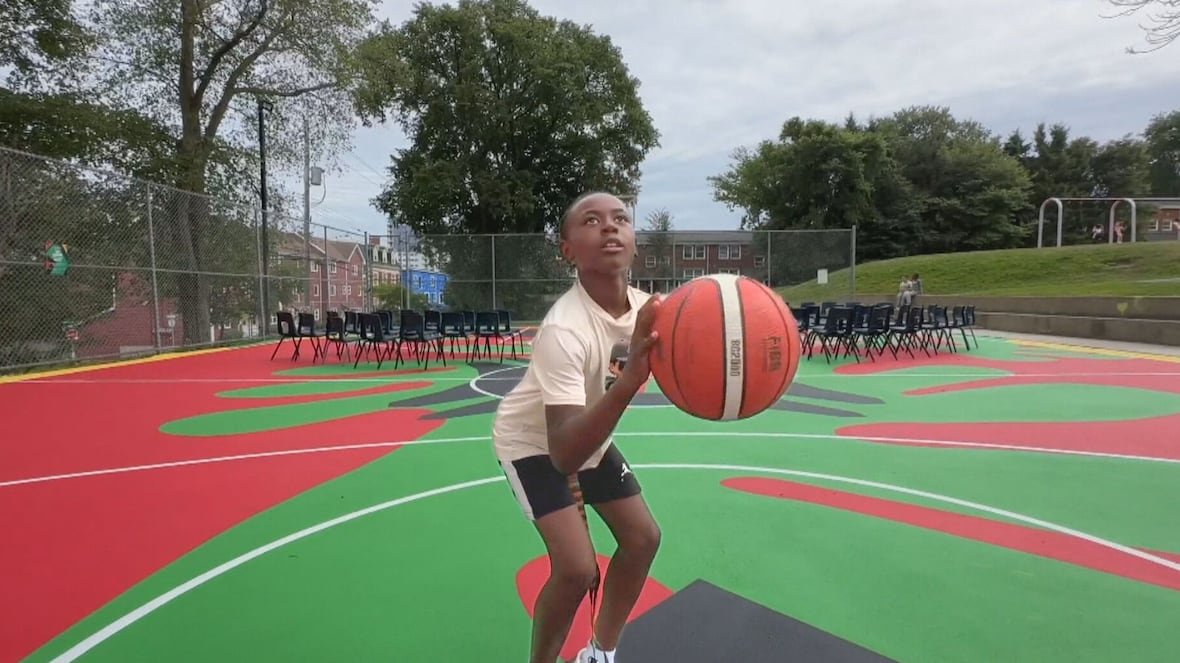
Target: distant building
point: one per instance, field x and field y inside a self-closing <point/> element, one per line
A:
<point x="384" y="265"/>
<point x="426" y="282"/>
<point x="667" y="260"/>
<point x="1165" y="225"/>
<point x="336" y="277"/>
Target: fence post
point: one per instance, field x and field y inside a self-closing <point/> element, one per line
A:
<point x="769" y="259"/>
<point x="852" y="279"/>
<point x="155" y="285"/>
<point x="494" y="272"/>
<point x="263" y="281"/>
<point x="367" y="277"/>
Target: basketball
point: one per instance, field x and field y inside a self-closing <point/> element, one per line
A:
<point x="729" y="347"/>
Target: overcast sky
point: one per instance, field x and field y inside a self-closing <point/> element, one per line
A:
<point x="717" y="74"/>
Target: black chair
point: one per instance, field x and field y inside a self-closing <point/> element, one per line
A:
<point x="372" y="337"/>
<point x="506" y="331"/>
<point x="836" y="333"/>
<point x="307" y="329"/>
<point x="287" y="330"/>
<point x="905" y="335"/>
<point x="413" y="330"/>
<point x="454" y="328"/>
<point x="335" y="335"/>
<point x="487" y="327"/>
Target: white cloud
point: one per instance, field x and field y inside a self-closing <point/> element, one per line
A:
<point x="718" y="74"/>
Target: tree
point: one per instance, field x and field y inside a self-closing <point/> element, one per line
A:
<point x="967" y="190"/>
<point x="1163" y="149"/>
<point x="1163" y="20"/>
<point x="657" y="236"/>
<point x="818" y="175"/>
<point x="510" y="116"/>
<point x="200" y="66"/>
<point x="38" y="38"/>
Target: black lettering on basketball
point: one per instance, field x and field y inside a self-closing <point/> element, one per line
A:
<point x="772" y="352"/>
<point x="735" y="357"/>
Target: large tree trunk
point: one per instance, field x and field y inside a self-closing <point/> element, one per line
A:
<point x="192" y="208"/>
<point x="190" y="226"/>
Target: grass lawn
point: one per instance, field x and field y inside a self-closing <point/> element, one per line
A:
<point x="1141" y="269"/>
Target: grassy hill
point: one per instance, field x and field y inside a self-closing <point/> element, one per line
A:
<point x="1141" y="269"/>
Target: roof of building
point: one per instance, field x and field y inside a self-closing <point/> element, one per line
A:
<point x="697" y="237"/>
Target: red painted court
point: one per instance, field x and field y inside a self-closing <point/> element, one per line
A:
<point x="224" y="506"/>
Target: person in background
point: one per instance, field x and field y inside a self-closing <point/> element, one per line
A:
<point x="915" y="288"/>
<point x="903" y="292"/>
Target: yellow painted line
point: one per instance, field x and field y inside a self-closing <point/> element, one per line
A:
<point x="1128" y="354"/>
<point x="4" y="379"/>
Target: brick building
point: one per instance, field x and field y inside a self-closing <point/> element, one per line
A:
<point x="667" y="260"/>
<point x="336" y="278"/>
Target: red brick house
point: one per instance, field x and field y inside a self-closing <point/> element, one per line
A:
<point x="336" y="278"/>
<point x="667" y="260"/>
<point x="1165" y="225"/>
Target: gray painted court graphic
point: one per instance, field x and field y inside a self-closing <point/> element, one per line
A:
<point x="703" y="623"/>
<point x="498" y="380"/>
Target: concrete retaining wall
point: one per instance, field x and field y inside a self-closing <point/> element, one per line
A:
<point x="1154" y="320"/>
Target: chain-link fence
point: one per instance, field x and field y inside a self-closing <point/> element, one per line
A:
<point x="95" y="265"/>
<point x="525" y="273"/>
<point x="154" y="269"/>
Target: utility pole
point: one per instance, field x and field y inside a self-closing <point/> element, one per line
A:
<point x="307" y="205"/>
<point x="263" y="106"/>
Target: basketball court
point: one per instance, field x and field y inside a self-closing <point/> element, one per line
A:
<point x="1014" y="502"/>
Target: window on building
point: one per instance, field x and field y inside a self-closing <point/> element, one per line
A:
<point x="729" y="270"/>
<point x="315" y="290"/>
<point x="693" y="273"/>
<point x="729" y="252"/>
<point x="694" y="252"/>
<point x="759" y="261"/>
<point x="347" y="290"/>
<point x="315" y="267"/>
<point x="649" y="262"/>
<point x="331" y="289"/>
<point x="331" y="268"/>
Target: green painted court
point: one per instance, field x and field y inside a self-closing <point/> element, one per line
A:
<point x="1014" y="501"/>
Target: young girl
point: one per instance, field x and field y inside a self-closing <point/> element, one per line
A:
<point x="556" y="426"/>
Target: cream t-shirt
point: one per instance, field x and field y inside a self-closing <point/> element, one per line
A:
<point x="576" y="356"/>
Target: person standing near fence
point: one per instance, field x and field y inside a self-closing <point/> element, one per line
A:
<point x="552" y="432"/>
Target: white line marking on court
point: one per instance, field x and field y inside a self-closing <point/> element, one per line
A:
<point x="450" y="440"/>
<point x="893" y="374"/>
<point x="477" y="389"/>
<point x="151" y="606"/>
<point x="224" y="459"/>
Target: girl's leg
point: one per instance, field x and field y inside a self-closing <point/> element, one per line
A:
<point x="572" y="571"/>
<point x="638" y="539"/>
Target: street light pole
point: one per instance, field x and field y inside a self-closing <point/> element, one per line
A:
<point x="263" y="106"/>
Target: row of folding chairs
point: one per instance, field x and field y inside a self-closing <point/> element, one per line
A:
<point x="384" y="333"/>
<point x="856" y="328"/>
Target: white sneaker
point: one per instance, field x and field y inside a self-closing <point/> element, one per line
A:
<point x="592" y="654"/>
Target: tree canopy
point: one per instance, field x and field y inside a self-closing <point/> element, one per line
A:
<point x="510" y="115"/>
<point x="923" y="181"/>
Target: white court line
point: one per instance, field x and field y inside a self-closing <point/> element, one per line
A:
<point x="891" y="374"/>
<point x="151" y="606"/>
<point x="475" y="387"/>
<point x="451" y="440"/>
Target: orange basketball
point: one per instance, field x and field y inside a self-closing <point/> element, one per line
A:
<point x="729" y="347"/>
